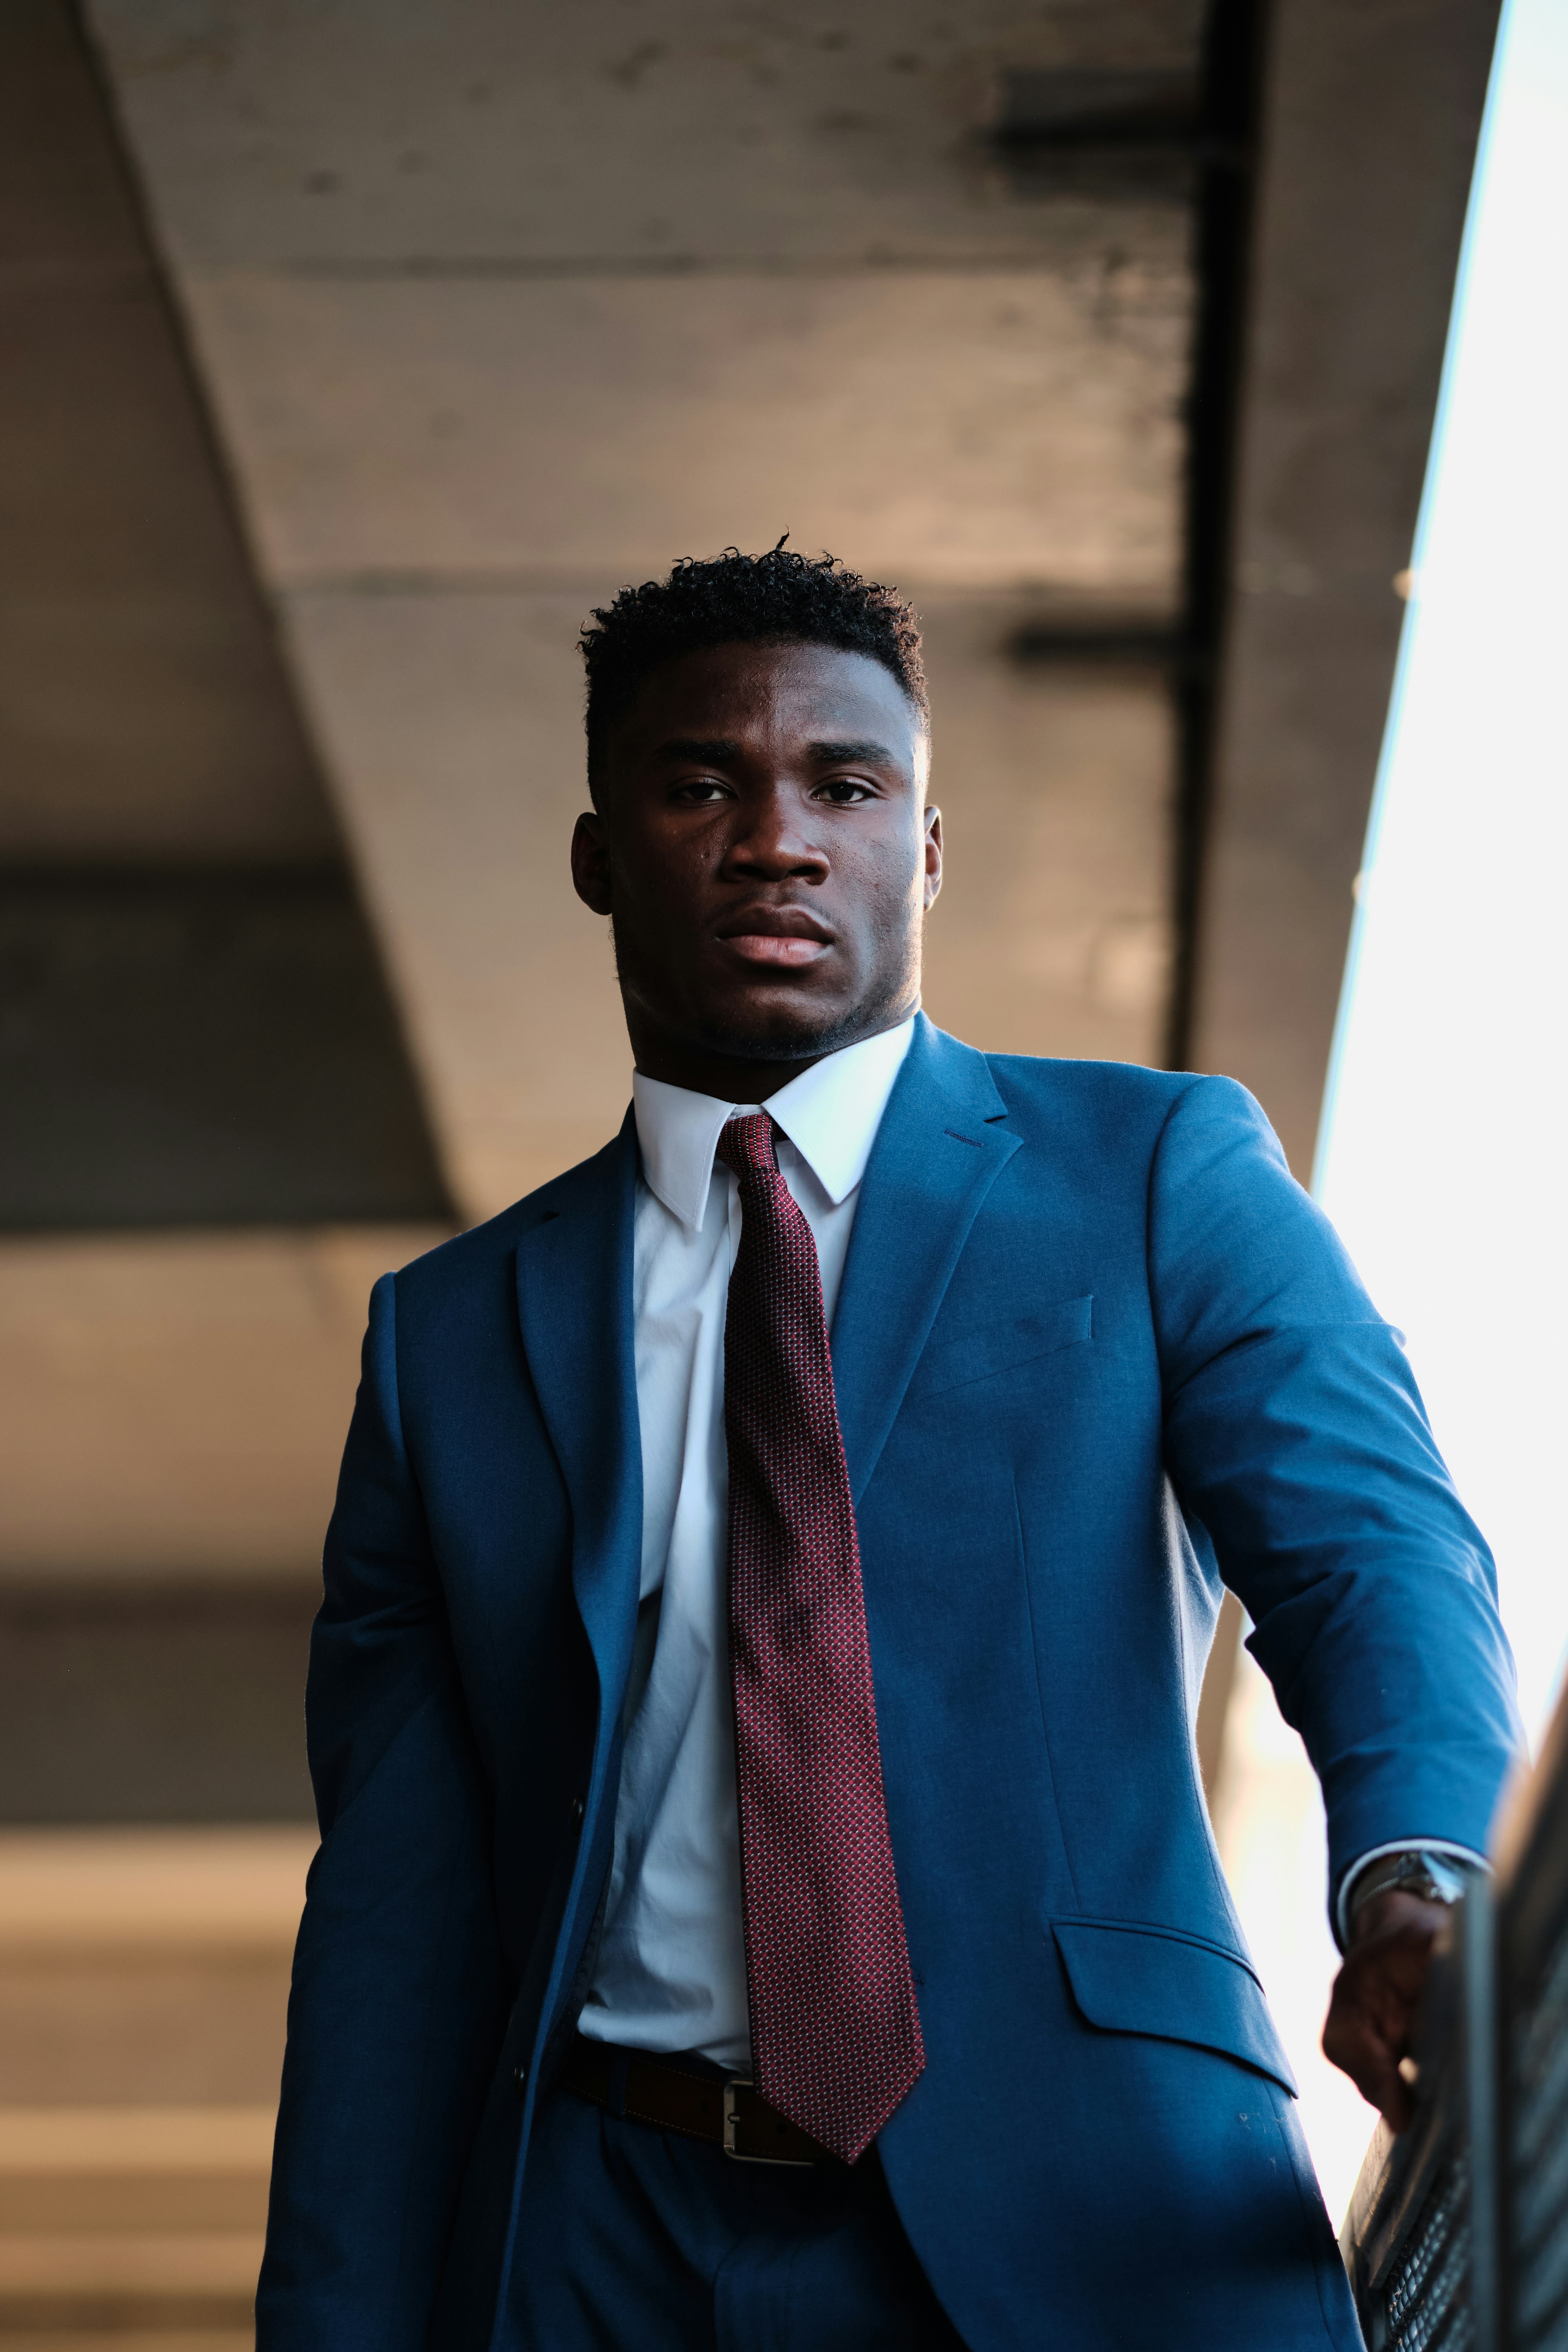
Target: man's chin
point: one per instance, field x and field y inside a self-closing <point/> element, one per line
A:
<point x="792" y="1027"/>
<point x="771" y="1018"/>
<point x="780" y="1033"/>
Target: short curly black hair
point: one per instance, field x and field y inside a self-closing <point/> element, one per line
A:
<point x="776" y="598"/>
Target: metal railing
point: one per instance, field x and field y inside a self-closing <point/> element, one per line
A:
<point x="1457" y="2237"/>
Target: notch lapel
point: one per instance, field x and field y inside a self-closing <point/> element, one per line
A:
<point x="574" y="1303"/>
<point x="937" y="1154"/>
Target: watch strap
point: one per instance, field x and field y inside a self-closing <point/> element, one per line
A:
<point x="1415" y="1870"/>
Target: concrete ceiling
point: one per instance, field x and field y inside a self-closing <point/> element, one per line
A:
<point x="143" y="714"/>
<point x="500" y="307"/>
<point x="486" y="310"/>
<point x="491" y="306"/>
<point x="402" y="137"/>
<point x="195" y="1027"/>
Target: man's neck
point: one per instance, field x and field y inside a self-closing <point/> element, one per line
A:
<point x="739" y="1077"/>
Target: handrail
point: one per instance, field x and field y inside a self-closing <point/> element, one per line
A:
<point x="1406" y="2236"/>
<point x="1456" y="2235"/>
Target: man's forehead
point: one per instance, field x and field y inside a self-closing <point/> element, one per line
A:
<point x="823" y="694"/>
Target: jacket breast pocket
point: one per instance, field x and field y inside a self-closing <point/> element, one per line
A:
<point x="1002" y="1347"/>
<point x="1175" y="1987"/>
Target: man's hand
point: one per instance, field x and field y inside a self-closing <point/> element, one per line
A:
<point x="1377" y="1997"/>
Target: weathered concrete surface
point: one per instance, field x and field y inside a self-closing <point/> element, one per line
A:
<point x="143" y="712"/>
<point x="143" y="1985"/>
<point x="176" y="1406"/>
<point x="502" y="307"/>
<point x="1052" y="932"/>
<point x="156" y="1700"/>
<point x="453" y="723"/>
<point x="1369" y="131"/>
<point x="963" y="429"/>
<point x="185" y="1038"/>
<point x="205" y="1047"/>
<point x="376" y="134"/>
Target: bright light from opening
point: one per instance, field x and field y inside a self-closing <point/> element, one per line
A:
<point x="1441" y="1153"/>
<point x="1441" y="1159"/>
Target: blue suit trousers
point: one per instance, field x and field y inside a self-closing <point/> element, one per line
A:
<point x="634" y="2240"/>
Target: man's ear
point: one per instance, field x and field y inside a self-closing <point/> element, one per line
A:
<point x="932" y="855"/>
<point x="590" y="863"/>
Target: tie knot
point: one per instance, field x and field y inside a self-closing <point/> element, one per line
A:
<point x="746" y="1146"/>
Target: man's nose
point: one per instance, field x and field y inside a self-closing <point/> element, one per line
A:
<point x="773" y="839"/>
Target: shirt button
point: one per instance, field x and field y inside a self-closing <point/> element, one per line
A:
<point x="578" y="1809"/>
<point x="519" y="2079"/>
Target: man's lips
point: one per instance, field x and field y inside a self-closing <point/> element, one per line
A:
<point x="775" y="947"/>
<point x="783" y="937"/>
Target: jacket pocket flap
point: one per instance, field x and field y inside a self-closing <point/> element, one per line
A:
<point x="1002" y="1347"/>
<point x="1154" y="1980"/>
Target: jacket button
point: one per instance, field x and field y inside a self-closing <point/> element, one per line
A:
<point x="520" y="2080"/>
<point x="578" y="1809"/>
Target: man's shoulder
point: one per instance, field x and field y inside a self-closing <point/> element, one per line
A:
<point x="1027" y="1080"/>
<point x="471" y="1261"/>
<point x="1119" y="1104"/>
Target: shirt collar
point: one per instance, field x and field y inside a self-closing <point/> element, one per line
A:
<point x="830" y="1113"/>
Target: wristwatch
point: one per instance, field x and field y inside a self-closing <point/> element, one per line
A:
<point x="1415" y="1870"/>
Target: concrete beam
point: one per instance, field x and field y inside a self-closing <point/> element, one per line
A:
<point x="1371" y="113"/>
<point x="515" y="135"/>
<point x="502" y="307"/>
<point x="143" y="711"/>
<point x="173" y="1407"/>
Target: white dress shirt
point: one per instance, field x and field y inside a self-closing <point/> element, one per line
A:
<point x="670" y="1973"/>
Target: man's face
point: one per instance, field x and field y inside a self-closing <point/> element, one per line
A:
<point x="764" y="851"/>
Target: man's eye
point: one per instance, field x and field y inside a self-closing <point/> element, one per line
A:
<point x="702" y="788"/>
<point x="843" y="792"/>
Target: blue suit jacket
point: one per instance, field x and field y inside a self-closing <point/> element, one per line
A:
<point x="1094" y="1351"/>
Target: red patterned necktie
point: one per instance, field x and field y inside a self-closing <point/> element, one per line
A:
<point x="835" y="2034"/>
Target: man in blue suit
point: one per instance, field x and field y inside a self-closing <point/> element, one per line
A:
<point x="765" y="1894"/>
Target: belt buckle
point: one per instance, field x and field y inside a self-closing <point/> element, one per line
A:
<point x="735" y="2085"/>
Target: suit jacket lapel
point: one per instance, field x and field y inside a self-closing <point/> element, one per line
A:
<point x="574" y="1302"/>
<point x="937" y="1154"/>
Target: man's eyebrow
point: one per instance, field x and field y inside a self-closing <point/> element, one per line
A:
<point x="716" y="749"/>
<point x="836" y="755"/>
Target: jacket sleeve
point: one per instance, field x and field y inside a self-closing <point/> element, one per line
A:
<point x="1295" y="1434"/>
<point x="397" y="2001"/>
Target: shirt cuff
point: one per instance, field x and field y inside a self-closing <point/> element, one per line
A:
<point x="1444" y="1847"/>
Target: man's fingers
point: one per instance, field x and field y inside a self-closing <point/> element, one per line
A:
<point x="1400" y="1961"/>
<point x="1352" y="2043"/>
<point x="1376" y="1996"/>
<point x="1373" y="2071"/>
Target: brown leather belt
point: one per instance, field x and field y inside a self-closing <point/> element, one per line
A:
<point x="726" y="2113"/>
